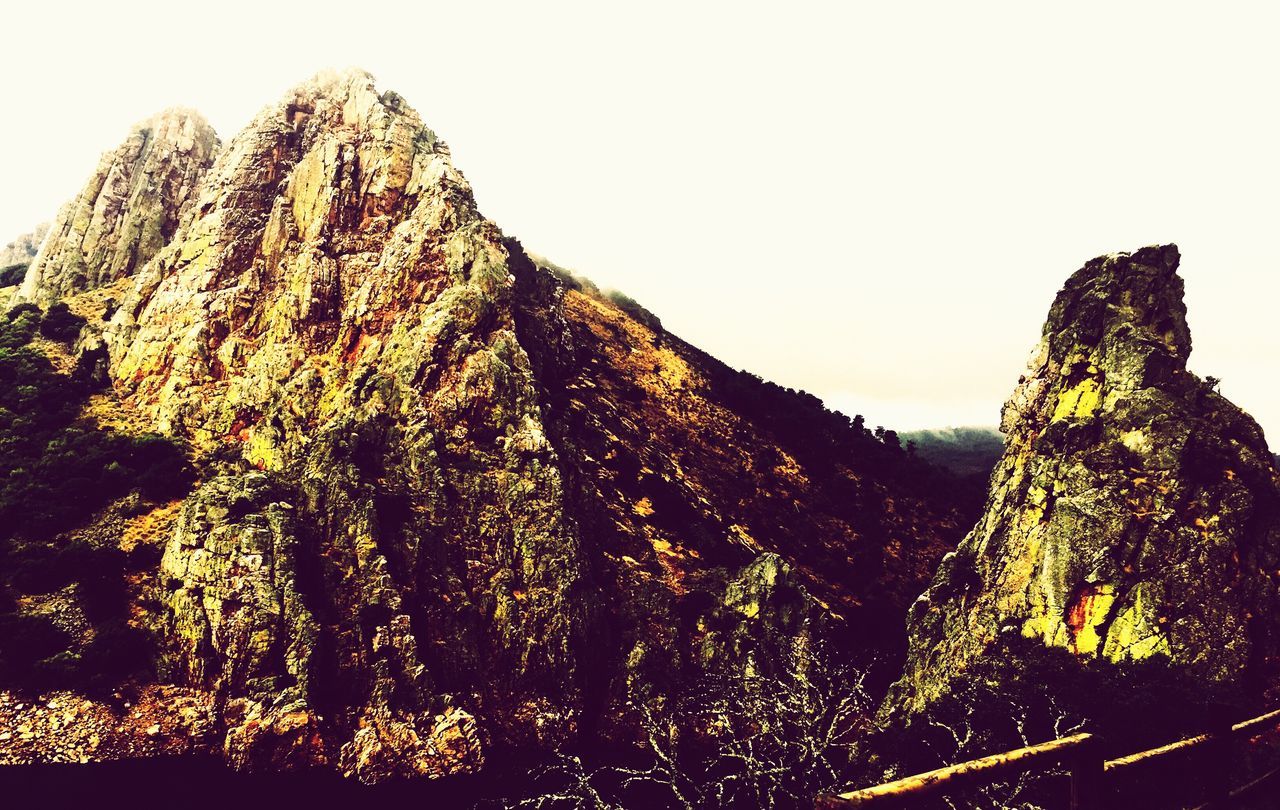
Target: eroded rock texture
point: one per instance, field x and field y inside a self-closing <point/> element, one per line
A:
<point x="129" y="209"/>
<point x="455" y="505"/>
<point x="1135" y="513"/>
<point x="339" y="312"/>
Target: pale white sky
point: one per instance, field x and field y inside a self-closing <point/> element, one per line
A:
<point x="875" y="202"/>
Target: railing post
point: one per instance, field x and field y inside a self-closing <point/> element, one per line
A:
<point x="1088" y="791"/>
<point x="1217" y="764"/>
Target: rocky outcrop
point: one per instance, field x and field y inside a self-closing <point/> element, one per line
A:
<point x="239" y="625"/>
<point x="129" y="209"/>
<point x="453" y="504"/>
<point x="23" y="249"/>
<point x="1135" y="513"/>
<point x="338" y="312"/>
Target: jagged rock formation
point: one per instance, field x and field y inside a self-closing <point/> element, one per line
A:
<point x="128" y="210"/>
<point x="1135" y="513"/>
<point x="339" y="311"/>
<point x="23" y="249"/>
<point x="454" y="504"/>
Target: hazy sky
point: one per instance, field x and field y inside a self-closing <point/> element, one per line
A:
<point x="875" y="202"/>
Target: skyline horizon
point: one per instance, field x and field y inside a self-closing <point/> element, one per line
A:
<point x="806" y="196"/>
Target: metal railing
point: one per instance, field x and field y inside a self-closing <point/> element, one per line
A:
<point x="1092" y="776"/>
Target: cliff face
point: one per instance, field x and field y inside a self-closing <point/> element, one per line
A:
<point x="450" y="502"/>
<point x="1135" y="513"/>
<point x="128" y="210"/>
<point x="338" y="314"/>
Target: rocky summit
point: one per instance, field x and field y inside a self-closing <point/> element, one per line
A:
<point x="127" y="211"/>
<point x="450" y="500"/>
<point x="1134" y="516"/>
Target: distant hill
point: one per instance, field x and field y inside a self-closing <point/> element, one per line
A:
<point x="963" y="450"/>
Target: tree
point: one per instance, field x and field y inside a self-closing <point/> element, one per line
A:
<point x="891" y="440"/>
<point x="741" y="739"/>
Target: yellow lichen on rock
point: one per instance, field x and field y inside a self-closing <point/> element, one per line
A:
<point x="1080" y="400"/>
<point x="1139" y="533"/>
<point x="311" y="188"/>
<point x="1132" y="635"/>
<point x="1088" y="616"/>
<point x="1136" y="440"/>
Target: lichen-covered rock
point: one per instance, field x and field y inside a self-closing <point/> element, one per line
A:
<point x="764" y="610"/>
<point x="455" y="505"/>
<point x="129" y="209"/>
<point x="339" y="311"/>
<point x="429" y="745"/>
<point x="231" y="573"/>
<point x="1135" y="513"/>
<point x="237" y="623"/>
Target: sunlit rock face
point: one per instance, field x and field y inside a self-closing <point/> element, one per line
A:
<point x="454" y="505"/>
<point x="129" y="209"/>
<point x="1135" y="513"/>
<point x="339" y="314"/>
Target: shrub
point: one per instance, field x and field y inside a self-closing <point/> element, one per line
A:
<point x="25" y="641"/>
<point x="54" y="472"/>
<point x="13" y="274"/>
<point x="19" y="326"/>
<point x="633" y="308"/>
<point x="160" y="469"/>
<point x="40" y="656"/>
<point x="117" y="651"/>
<point x="35" y="655"/>
<point x="61" y="324"/>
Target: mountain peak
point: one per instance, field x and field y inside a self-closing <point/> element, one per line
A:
<point x="1135" y="513"/>
<point x="1119" y="322"/>
<point x="1112" y="295"/>
<point x="451" y="502"/>
<point x="339" y="77"/>
<point x="128" y="210"/>
<point x="175" y="124"/>
<point x="333" y="89"/>
<point x="341" y="98"/>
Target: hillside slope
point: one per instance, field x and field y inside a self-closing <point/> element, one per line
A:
<point x="451" y="505"/>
